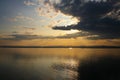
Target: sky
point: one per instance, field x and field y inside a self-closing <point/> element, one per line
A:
<point x="60" y="22"/>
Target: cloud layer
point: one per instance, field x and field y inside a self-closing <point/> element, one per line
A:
<point x="96" y="17"/>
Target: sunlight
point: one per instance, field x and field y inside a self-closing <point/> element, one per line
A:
<point x="70" y="48"/>
<point x="72" y="31"/>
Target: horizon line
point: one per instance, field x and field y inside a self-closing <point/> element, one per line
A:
<point x="101" y="46"/>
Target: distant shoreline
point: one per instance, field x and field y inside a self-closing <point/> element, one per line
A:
<point x="59" y="46"/>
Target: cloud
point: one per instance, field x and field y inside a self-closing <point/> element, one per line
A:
<point x="30" y="36"/>
<point x="5" y="36"/>
<point x="20" y="17"/>
<point x="95" y="17"/>
<point x="46" y="10"/>
<point x="75" y="35"/>
<point x="24" y="18"/>
<point x="29" y="28"/>
<point x="29" y="3"/>
<point x="24" y="37"/>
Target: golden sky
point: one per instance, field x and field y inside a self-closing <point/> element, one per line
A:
<point x="46" y="23"/>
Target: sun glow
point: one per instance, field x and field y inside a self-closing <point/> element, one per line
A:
<point x="71" y="31"/>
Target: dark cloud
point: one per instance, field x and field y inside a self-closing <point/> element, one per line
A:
<point x="25" y="37"/>
<point x="28" y="36"/>
<point x="75" y="35"/>
<point x="79" y="8"/>
<point x="96" y="18"/>
<point x="17" y="36"/>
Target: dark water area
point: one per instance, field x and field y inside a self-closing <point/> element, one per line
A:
<point x="59" y="64"/>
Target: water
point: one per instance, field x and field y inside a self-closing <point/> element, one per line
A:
<point x="50" y="63"/>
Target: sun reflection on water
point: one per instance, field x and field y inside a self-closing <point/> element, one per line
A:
<point x="67" y="69"/>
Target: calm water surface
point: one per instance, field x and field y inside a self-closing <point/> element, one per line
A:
<point x="47" y="63"/>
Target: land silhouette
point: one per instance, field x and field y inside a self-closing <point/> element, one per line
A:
<point x="7" y="46"/>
